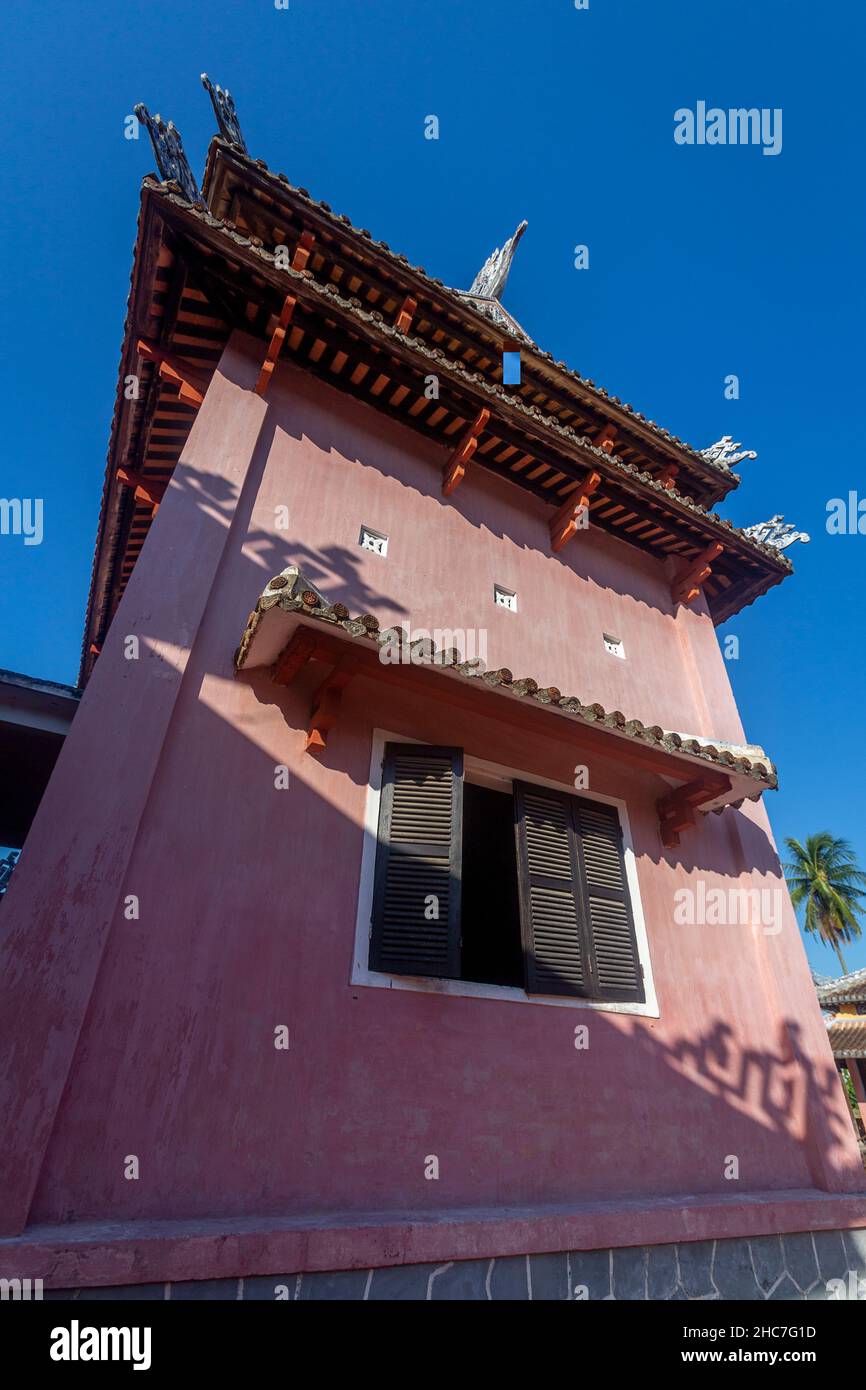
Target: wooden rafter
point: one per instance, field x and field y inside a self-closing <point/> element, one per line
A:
<point x="566" y="520"/>
<point x="191" y="384"/>
<point x="146" y="489"/>
<point x="455" y="469"/>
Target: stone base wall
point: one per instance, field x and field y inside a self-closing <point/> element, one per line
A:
<point x="823" y="1265"/>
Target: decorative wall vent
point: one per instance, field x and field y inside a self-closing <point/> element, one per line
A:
<point x="504" y="598"/>
<point x="373" y="540"/>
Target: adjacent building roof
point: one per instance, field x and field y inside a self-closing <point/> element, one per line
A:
<point x="847" y="1035"/>
<point x="845" y="989"/>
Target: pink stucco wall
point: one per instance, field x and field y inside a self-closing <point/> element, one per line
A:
<point x="154" y="1037"/>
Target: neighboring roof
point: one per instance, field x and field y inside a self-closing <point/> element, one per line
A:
<point x="844" y="989"/>
<point x="847" y="1035"/>
<point x="29" y="702"/>
<point x="290" y="595"/>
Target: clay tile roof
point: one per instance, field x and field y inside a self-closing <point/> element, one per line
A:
<point x="845" y="989"/>
<point x="847" y="1036"/>
<point x="290" y="593"/>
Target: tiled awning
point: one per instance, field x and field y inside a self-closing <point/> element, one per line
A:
<point x="847" y="1034"/>
<point x="293" y="623"/>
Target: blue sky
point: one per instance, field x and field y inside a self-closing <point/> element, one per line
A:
<point x="704" y="261"/>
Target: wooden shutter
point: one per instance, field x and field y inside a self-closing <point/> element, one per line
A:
<point x="555" y="943"/>
<point x="616" y="968"/>
<point x="576" y="921"/>
<point x="418" y="859"/>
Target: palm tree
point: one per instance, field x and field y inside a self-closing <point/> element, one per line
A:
<point x="824" y="875"/>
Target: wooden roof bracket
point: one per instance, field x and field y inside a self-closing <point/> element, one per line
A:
<point x="606" y="440"/>
<point x="302" y="647"/>
<point x="686" y="583"/>
<point x="275" y="345"/>
<point x="303" y="250"/>
<point x="566" y="520"/>
<point x="455" y="469"/>
<point x="405" y="315"/>
<point x="677" y="810"/>
<point x="326" y="705"/>
<point x="191" y="385"/>
<point x="146" y="489"/>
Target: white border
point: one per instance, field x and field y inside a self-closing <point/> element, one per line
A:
<point x="490" y="775"/>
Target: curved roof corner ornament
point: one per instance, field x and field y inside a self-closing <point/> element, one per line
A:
<point x="724" y="451"/>
<point x="777" y="532"/>
<point x="226" y="114"/>
<point x="490" y="280"/>
<point x="171" y="161"/>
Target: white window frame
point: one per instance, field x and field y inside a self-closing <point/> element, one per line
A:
<point x="500" y="779"/>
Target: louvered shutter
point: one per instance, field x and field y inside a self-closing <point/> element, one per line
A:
<point x="554" y="932"/>
<point x="576" y="920"/>
<point x="416" y="898"/>
<point x="616" y="967"/>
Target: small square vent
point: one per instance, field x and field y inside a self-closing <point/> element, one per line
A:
<point x="504" y="598"/>
<point x="373" y="540"/>
<point x="614" y="646"/>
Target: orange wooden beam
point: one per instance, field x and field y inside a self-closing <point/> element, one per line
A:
<point x="146" y="489"/>
<point x="327" y="702"/>
<point x="455" y="469"/>
<point x="303" y="250"/>
<point x="275" y="346"/>
<point x="686" y="584"/>
<point x="606" y="440"/>
<point x="405" y="315"/>
<point x="191" y="385"/>
<point x="565" y="521"/>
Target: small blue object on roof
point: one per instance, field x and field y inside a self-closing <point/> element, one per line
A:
<point x="511" y="369"/>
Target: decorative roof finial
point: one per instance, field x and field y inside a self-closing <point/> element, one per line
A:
<point x="490" y="280"/>
<point x="724" y="451"/>
<point x="226" y="114"/>
<point x="776" y="532"/>
<point x="171" y="161"/>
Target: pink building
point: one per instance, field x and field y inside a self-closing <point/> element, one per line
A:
<point x="403" y="913"/>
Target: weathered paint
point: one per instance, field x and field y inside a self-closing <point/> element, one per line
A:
<point x="155" y="1037"/>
